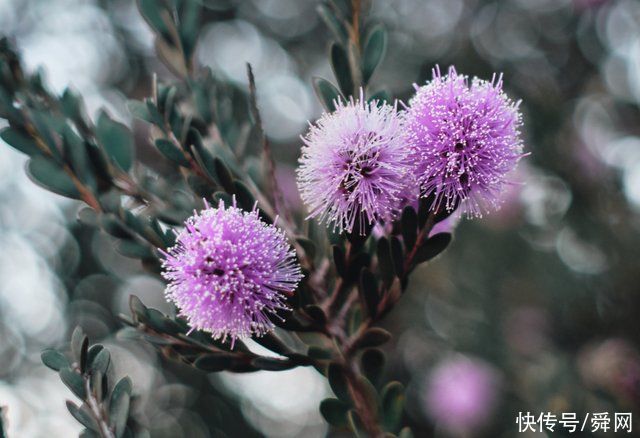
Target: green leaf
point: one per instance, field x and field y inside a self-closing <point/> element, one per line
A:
<point x="423" y="211"/>
<point x="48" y="175"/>
<point x="320" y="353"/>
<point x="74" y="382"/>
<point x="316" y="313"/>
<point x="272" y="364"/>
<point x="171" y="152"/>
<point x="339" y="260"/>
<point x="374" y="49"/>
<point x="224" y="175"/>
<point x="119" y="406"/>
<point x="338" y="382"/>
<point x="189" y="26"/>
<point x="116" y="141"/>
<point x="214" y="362"/>
<point x="392" y="405"/>
<point x="335" y="25"/>
<point x="83" y="415"/>
<point x="243" y="195"/>
<point x="380" y="97"/>
<point x="101" y="362"/>
<point x="73" y="106"/>
<point x="138" y="310"/>
<point x="373" y="337"/>
<point x="139" y="110"/>
<point x="409" y="221"/>
<point x="368" y="288"/>
<point x="334" y="412"/>
<point x="432" y="247"/>
<point x="385" y="262"/>
<point x="373" y="361"/>
<point x="54" y="359"/>
<point x="342" y="69"/>
<point x="328" y="95"/>
<point x="133" y="249"/>
<point x="152" y="11"/>
<point x="77" y="343"/>
<point x="356" y="424"/>
<point x="308" y="246"/>
<point x="76" y="151"/>
<point x="20" y="141"/>
<point x="397" y="256"/>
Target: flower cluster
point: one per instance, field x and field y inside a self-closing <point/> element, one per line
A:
<point x="455" y="143"/>
<point x="229" y="271"/>
<point x="354" y="165"/>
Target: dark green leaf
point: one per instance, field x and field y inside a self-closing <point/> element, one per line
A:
<point x="83" y="415"/>
<point x="342" y="69"/>
<point x="373" y="361"/>
<point x="316" y="313"/>
<point x="432" y="247"/>
<point x="224" y="175"/>
<point x="171" y="152"/>
<point x="202" y="155"/>
<point x="154" y="114"/>
<point x="272" y="364"/>
<point x="339" y="260"/>
<point x="320" y="353"/>
<point x="54" y="359"/>
<point x="385" y="262"/>
<point x="119" y="406"/>
<point x="380" y="97"/>
<point x="214" y="362"/>
<point x="101" y="362"/>
<point x="334" y="412"/>
<point x="77" y="342"/>
<point x="159" y="322"/>
<point x="133" y="249"/>
<point x="423" y="211"/>
<point x="84" y="349"/>
<point x="334" y="24"/>
<point x="139" y="110"/>
<point x="373" y="337"/>
<point x="153" y="11"/>
<point x="243" y="195"/>
<point x="368" y="287"/>
<point x="138" y="310"/>
<point x="47" y="174"/>
<point x="20" y="141"/>
<point x="116" y="141"/>
<point x="74" y="382"/>
<point x="374" y="50"/>
<point x="356" y="424"/>
<point x="397" y="256"/>
<point x="112" y="225"/>
<point x="328" y="95"/>
<point x="338" y="382"/>
<point x="308" y="246"/>
<point x="93" y="352"/>
<point x="409" y="222"/>
<point x="392" y="405"/>
<point x="73" y="106"/>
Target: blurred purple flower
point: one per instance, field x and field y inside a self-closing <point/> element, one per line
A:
<point x="354" y="165"/>
<point x="462" y="393"/>
<point x="464" y="139"/>
<point x="228" y="271"/>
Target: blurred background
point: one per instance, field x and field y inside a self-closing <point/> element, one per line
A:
<point x="533" y="308"/>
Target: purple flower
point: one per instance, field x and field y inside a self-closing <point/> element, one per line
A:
<point x="462" y="393"/>
<point x="354" y="165"/>
<point x="228" y="271"/>
<point x="465" y="139"/>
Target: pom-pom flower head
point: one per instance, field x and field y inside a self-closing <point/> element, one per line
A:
<point x="354" y="165"/>
<point x="465" y="139"/>
<point x="228" y="271"/>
